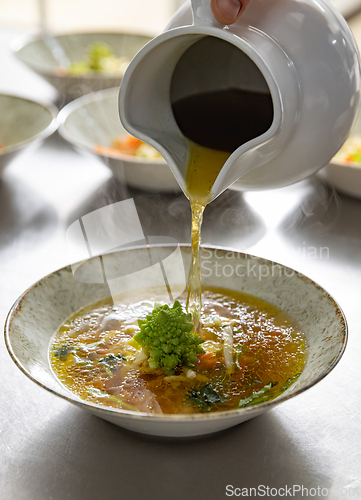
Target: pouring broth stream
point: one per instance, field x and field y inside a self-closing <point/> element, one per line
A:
<point x="216" y="123"/>
<point x="203" y="169"/>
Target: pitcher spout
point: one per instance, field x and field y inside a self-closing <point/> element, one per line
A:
<point x="300" y="57"/>
<point x="177" y="66"/>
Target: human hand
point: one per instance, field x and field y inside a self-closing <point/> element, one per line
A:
<point x="228" y="11"/>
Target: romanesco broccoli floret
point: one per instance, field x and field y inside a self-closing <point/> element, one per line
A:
<point x="166" y="336"/>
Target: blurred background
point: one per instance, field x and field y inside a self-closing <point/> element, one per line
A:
<point x="150" y="16"/>
<point x="145" y="15"/>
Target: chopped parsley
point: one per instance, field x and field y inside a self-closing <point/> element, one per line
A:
<point x="205" y="397"/>
<point x="110" y="363"/>
<point x="289" y="382"/>
<point x="62" y="352"/>
<point x="112" y="359"/>
<point x="258" y="396"/>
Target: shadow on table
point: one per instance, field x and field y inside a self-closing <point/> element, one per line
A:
<point x="82" y="456"/>
<point x="26" y="219"/>
<point x="326" y="224"/>
<point x="228" y="220"/>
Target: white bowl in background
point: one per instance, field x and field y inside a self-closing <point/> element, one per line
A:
<point x="23" y="122"/>
<point x="45" y="53"/>
<point x="39" y="312"/>
<point x="93" y="120"/>
<point x="345" y="176"/>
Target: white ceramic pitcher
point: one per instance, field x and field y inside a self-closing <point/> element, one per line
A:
<point x="302" y="52"/>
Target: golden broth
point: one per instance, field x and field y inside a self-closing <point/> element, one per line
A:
<point x="91" y="356"/>
<point x="203" y="168"/>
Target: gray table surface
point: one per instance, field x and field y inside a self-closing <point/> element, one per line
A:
<point x="52" y="450"/>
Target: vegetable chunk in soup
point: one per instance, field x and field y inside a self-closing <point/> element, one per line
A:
<point x="245" y="352"/>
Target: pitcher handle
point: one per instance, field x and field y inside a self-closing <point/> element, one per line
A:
<point x="202" y="14"/>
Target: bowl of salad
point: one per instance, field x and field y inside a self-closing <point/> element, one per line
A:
<point x="344" y="170"/>
<point x="79" y="63"/>
<point x="91" y="124"/>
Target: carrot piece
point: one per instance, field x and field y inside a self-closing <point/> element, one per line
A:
<point x="205" y="355"/>
<point x="104" y="150"/>
<point x="132" y="142"/>
<point x="207" y="360"/>
<point x="127" y="143"/>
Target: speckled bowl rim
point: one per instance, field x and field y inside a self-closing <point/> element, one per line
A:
<point x="182" y="417"/>
<point x="43" y="134"/>
<point x="24" y="40"/>
<point x="84" y="100"/>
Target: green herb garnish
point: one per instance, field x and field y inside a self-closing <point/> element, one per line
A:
<point x="113" y="359"/>
<point x="110" y="363"/>
<point x="205" y="397"/>
<point x="258" y="396"/>
<point x="63" y="351"/>
<point x="289" y="382"/>
<point x="239" y="352"/>
<point x="255" y="381"/>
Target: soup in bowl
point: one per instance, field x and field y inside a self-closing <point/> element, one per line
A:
<point x="267" y="333"/>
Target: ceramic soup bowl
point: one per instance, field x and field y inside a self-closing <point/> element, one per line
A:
<point x="92" y="121"/>
<point x="39" y="312"/>
<point x="22" y="122"/>
<point x="46" y="53"/>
